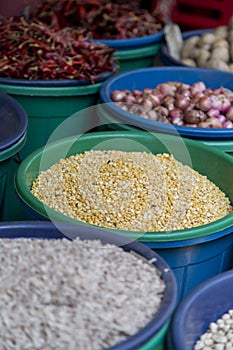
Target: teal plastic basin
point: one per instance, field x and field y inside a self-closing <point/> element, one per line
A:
<point x="134" y="58"/>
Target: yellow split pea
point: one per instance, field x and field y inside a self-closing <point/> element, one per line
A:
<point x="134" y="191"/>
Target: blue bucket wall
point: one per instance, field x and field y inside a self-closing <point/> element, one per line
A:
<point x="195" y="260"/>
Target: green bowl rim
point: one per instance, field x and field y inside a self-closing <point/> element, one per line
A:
<point x="138" y="52"/>
<point x="35" y="91"/>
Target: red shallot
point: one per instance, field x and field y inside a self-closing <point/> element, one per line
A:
<point x="180" y="104"/>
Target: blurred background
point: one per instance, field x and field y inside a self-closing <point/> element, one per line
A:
<point x="188" y="14"/>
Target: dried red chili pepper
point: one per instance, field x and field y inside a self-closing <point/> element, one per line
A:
<point x="35" y="51"/>
<point x="100" y="19"/>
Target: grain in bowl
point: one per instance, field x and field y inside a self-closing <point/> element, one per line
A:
<point x="61" y="294"/>
<point x="136" y="191"/>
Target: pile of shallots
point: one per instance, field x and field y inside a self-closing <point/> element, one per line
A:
<point x="180" y="104"/>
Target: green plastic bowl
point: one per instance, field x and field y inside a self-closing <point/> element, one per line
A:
<point x="47" y="107"/>
<point x="202" y="158"/>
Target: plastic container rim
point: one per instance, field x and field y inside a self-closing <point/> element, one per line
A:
<point x="226" y="146"/>
<point x="169" y="301"/>
<point x="67" y="91"/>
<point x="221" y="226"/>
<point x="14" y="149"/>
<point x="122" y="44"/>
<point x="22" y="120"/>
<point x="155" y="126"/>
<point x="188" y="300"/>
<point x="137" y="53"/>
<point x="56" y="82"/>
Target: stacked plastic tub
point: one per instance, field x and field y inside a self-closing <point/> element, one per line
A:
<point x="138" y="52"/>
<point x="48" y="104"/>
<point x="194" y="254"/>
<point x="13" y="133"/>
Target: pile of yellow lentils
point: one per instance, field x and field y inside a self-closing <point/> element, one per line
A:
<point x="132" y="191"/>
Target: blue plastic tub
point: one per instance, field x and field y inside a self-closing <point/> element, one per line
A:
<point x="195" y="260"/>
<point x="115" y="118"/>
<point x="13" y="129"/>
<point x="151" y="77"/>
<point x="205" y="304"/>
<point x="156" y="328"/>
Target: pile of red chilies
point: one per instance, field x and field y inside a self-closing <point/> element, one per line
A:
<point x="32" y="50"/>
<point x="102" y="19"/>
